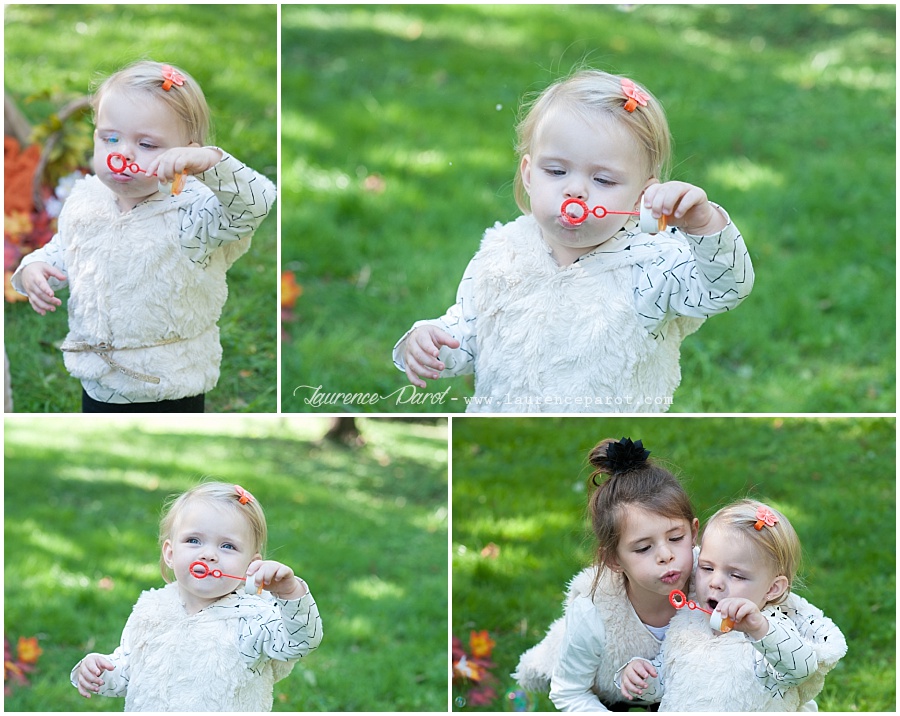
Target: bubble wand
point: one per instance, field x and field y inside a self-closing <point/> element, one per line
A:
<point x="647" y="223"/>
<point x="118" y="164"/>
<point x="678" y="600"/>
<point x="201" y="570"/>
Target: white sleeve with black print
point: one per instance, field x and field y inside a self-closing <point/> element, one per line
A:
<point x="285" y="633"/>
<point x="460" y="321"/>
<point x="241" y="198"/>
<point x="784" y="659"/>
<point x="696" y="277"/>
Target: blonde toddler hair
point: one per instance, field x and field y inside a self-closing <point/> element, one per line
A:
<point x="596" y="94"/>
<point x="778" y="544"/>
<point x="218" y="493"/>
<point x="186" y="100"/>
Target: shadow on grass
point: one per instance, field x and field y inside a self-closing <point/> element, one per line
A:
<point x="366" y="528"/>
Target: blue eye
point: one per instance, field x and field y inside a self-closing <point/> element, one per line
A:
<point x="228" y="545"/>
<point x="112" y="140"/>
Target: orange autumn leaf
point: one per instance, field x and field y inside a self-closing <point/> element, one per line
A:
<point x="18" y="175"/>
<point x="468" y="669"/>
<point x="28" y="649"/>
<point x="290" y="289"/>
<point x="9" y="293"/>
<point x="481" y="644"/>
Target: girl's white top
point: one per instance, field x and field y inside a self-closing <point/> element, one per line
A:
<point x="600" y="335"/>
<point x="225" y="657"/>
<point x="150" y="283"/>
<point x="578" y="658"/>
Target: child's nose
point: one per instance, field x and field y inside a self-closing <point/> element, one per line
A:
<point x="576" y="189"/>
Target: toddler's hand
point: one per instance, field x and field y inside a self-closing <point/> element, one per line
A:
<point x="277" y="578"/>
<point x="746" y="615"/>
<point x="90" y="672"/>
<point x="34" y="281"/>
<point x="421" y="350"/>
<point x="633" y="683"/>
<point x="685" y="206"/>
<point x="193" y="160"/>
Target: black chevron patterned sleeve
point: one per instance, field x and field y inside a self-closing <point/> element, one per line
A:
<point x="784" y="659"/>
<point x="287" y="632"/>
<point x="241" y="198"/>
<point x="696" y="277"/>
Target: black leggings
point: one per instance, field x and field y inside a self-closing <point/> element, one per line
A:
<point x="194" y="404"/>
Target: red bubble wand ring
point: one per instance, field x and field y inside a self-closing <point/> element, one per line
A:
<point x="118" y="164"/>
<point x="647" y="223"/>
<point x="201" y="570"/>
<point x="678" y="599"/>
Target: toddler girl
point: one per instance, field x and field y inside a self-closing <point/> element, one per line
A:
<point x="558" y="316"/>
<point x="779" y="647"/>
<point x="645" y="528"/>
<point x="145" y="266"/>
<point x="203" y="643"/>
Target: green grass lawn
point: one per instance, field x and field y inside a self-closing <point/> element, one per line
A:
<point x="521" y="485"/>
<point x="54" y="53"/>
<point x="366" y="528"/>
<point x="398" y="152"/>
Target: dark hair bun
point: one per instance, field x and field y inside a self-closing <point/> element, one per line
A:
<point x="615" y="458"/>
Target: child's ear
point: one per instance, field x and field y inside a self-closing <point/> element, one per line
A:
<point x="695" y="530"/>
<point x="167" y="552"/>
<point x="525" y="170"/>
<point x="613" y="564"/>
<point x="778" y="587"/>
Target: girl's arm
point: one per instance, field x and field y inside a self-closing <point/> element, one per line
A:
<point x="821" y="634"/>
<point x="241" y="198"/>
<point x="50" y="253"/>
<point x="572" y="681"/>
<point x="113" y="682"/>
<point x="460" y="323"/>
<point x="287" y="633"/>
<point x="784" y="659"/>
<point x="693" y="276"/>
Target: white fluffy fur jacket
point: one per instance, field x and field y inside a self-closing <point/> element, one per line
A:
<point x="600" y="335"/>
<point x="706" y="671"/>
<point x="151" y="281"/>
<point x="582" y="650"/>
<point x="224" y="658"/>
<point x="581" y="666"/>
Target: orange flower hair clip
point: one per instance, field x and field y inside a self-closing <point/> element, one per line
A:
<point x="243" y="496"/>
<point x="765" y="518"/>
<point x="171" y="77"/>
<point x="635" y="96"/>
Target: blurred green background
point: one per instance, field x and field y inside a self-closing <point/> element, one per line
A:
<point x="54" y="53"/>
<point x="520" y="531"/>
<point x="397" y="147"/>
<point x="366" y="527"/>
